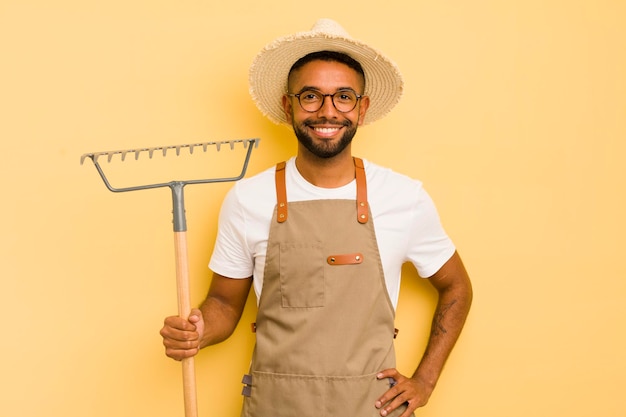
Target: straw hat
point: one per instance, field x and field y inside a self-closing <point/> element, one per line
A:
<point x="270" y="68"/>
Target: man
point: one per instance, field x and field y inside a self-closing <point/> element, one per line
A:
<point x="325" y="235"/>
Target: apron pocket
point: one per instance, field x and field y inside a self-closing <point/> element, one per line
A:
<point x="302" y="281"/>
<point x="280" y="395"/>
<point x="355" y="396"/>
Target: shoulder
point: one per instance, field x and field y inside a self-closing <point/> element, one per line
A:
<point x="386" y="186"/>
<point x="263" y="178"/>
<point x="379" y="175"/>
<point x="256" y="186"/>
<point x="251" y="197"/>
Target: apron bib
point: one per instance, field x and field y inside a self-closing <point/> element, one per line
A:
<point x="325" y="323"/>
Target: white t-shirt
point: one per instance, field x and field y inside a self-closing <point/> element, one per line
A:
<point x="405" y="219"/>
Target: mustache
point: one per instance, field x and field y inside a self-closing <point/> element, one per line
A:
<point x="325" y="121"/>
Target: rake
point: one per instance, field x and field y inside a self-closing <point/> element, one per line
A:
<point x="180" y="229"/>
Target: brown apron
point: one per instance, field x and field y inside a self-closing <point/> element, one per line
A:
<point x="325" y="323"/>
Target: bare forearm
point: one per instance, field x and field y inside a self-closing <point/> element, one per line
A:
<point x="455" y="297"/>
<point x="222" y="308"/>
<point x="220" y="321"/>
<point x="448" y="320"/>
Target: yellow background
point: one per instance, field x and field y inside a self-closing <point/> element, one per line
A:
<point x="514" y="117"/>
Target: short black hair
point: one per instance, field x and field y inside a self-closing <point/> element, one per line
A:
<point x="329" y="56"/>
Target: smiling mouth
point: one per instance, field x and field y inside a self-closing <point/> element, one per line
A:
<point x="327" y="130"/>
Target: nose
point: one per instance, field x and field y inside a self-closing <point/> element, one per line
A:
<point x="328" y="109"/>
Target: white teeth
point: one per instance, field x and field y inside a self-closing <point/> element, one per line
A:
<point x="326" y="129"/>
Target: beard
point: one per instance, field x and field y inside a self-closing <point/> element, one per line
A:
<point x="326" y="149"/>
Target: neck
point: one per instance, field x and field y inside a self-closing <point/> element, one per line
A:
<point x="326" y="173"/>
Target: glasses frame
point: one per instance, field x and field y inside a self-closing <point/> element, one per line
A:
<point x="332" y="99"/>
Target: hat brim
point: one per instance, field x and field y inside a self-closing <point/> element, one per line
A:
<point x="270" y="69"/>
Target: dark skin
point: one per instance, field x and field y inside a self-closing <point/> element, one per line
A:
<point x="222" y="309"/>
<point x="455" y="297"/>
<point x="216" y="319"/>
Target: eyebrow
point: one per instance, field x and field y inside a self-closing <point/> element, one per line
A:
<point x="308" y="87"/>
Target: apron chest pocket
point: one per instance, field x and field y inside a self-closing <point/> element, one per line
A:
<point x="302" y="282"/>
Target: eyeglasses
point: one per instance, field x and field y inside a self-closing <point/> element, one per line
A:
<point x="311" y="100"/>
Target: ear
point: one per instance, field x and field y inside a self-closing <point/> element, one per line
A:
<point x="363" y="106"/>
<point x="287" y="108"/>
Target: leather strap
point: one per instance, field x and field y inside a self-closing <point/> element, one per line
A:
<point x="361" y="191"/>
<point x="281" y="193"/>
<point x="345" y="259"/>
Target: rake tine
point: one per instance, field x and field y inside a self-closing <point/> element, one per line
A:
<point x="177" y="148"/>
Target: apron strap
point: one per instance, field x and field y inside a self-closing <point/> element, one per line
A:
<point x="361" y="192"/>
<point x="281" y="193"/>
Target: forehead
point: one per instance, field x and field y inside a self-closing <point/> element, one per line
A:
<point x="325" y="76"/>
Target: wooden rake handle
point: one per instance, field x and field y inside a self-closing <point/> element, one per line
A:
<point x="184" y="309"/>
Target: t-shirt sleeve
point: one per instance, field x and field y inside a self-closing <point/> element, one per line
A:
<point x="231" y="256"/>
<point x="429" y="245"/>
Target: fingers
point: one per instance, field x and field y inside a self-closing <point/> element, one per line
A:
<point x="395" y="377"/>
<point x="405" y="391"/>
<point x="389" y="373"/>
<point x="180" y="337"/>
<point x="390" y="394"/>
<point x="180" y="354"/>
<point x="397" y="402"/>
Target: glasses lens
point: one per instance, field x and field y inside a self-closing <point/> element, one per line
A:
<point x="344" y="101"/>
<point x="311" y="100"/>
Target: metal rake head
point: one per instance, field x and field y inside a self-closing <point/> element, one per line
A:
<point x="163" y="149"/>
<point x="248" y="144"/>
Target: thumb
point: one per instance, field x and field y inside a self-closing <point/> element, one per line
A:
<point x="195" y="318"/>
<point x="195" y="315"/>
